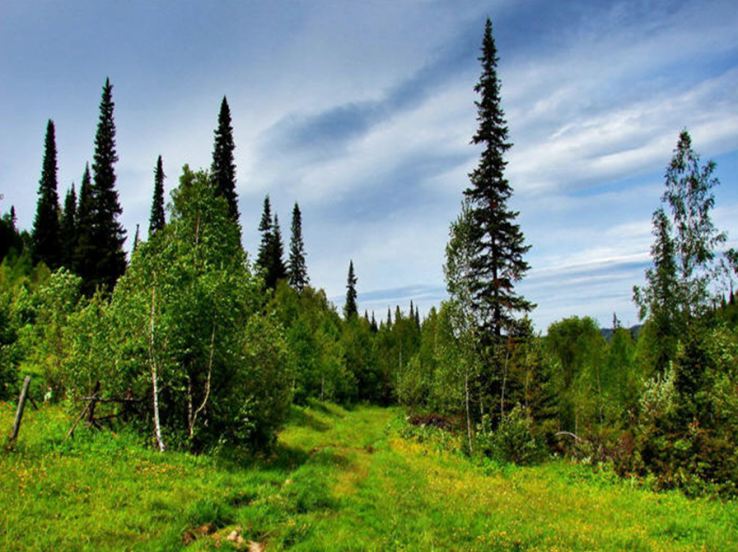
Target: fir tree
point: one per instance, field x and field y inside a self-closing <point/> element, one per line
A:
<point x="45" y="236"/>
<point x="83" y="261"/>
<point x="68" y="228"/>
<point x="109" y="234"/>
<point x="224" y="167"/>
<point x="497" y="243"/>
<point x="157" y="220"/>
<point x="297" y="268"/>
<point x="373" y="324"/>
<point x="350" y="309"/>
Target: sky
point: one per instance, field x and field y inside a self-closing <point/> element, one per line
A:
<point x="363" y="112"/>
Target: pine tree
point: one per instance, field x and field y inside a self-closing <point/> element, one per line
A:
<point x="297" y="269"/>
<point x="224" y="167"/>
<point x="45" y="236"/>
<point x="157" y="220"/>
<point x="68" y="228"/>
<point x="83" y="260"/>
<point x="350" y="309"/>
<point x="109" y="234"/>
<point x="373" y="324"/>
<point x="497" y="241"/>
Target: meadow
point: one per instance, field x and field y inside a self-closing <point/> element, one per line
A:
<point x="337" y="479"/>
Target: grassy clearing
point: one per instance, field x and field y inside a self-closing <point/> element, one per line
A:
<point x="339" y="480"/>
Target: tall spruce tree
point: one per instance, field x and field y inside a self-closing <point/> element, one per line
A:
<point x="224" y="167"/>
<point x="83" y="258"/>
<point x="109" y="234"/>
<point x="278" y="270"/>
<point x="297" y="268"/>
<point x="265" y="229"/>
<point x="68" y="228"/>
<point x="45" y="237"/>
<point x="271" y="249"/>
<point x="157" y="220"/>
<point x="350" y="308"/>
<point x="497" y="243"/>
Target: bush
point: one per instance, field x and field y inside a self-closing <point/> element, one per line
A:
<point x="512" y="441"/>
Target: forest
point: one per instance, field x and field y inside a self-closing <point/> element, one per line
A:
<point x="192" y="347"/>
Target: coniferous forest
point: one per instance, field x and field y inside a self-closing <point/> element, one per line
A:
<point x="235" y="405"/>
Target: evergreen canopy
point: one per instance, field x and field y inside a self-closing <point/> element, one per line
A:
<point x="350" y="309"/>
<point x="297" y="268"/>
<point x="223" y="168"/>
<point x="109" y="234"/>
<point x="497" y="242"/>
<point x="45" y="236"/>
<point x="157" y="220"/>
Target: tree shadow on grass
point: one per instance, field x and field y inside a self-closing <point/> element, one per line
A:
<point x="301" y="417"/>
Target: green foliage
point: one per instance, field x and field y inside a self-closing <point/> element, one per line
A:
<point x="579" y="350"/>
<point x="187" y="320"/>
<point x="11" y="240"/>
<point x="512" y="441"/>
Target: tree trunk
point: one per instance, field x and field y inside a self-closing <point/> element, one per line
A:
<point x="207" y="383"/>
<point x="504" y="383"/>
<point x="154" y="374"/>
<point x="468" y="414"/>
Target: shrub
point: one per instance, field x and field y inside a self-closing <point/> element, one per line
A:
<point x="512" y="441"/>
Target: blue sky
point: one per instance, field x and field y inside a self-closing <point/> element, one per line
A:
<point x="363" y="112"/>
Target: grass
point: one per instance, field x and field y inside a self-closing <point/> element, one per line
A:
<point x="338" y="480"/>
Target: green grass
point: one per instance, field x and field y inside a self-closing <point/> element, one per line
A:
<point x="338" y="480"/>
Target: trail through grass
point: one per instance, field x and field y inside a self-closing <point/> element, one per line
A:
<point x="338" y="480"/>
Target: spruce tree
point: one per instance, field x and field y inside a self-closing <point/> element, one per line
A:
<point x="278" y="270"/>
<point x="45" y="237"/>
<point x="157" y="220"/>
<point x="68" y="228"/>
<point x="224" y="167"/>
<point x="109" y="234"/>
<point x="83" y="259"/>
<point x="497" y="243"/>
<point x="265" y="228"/>
<point x="271" y="249"/>
<point x="349" y="308"/>
<point x="297" y="269"/>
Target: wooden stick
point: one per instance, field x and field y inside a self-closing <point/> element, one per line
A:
<point x="79" y="419"/>
<point x="568" y="433"/>
<point x="19" y="411"/>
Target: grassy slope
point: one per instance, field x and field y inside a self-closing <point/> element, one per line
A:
<point x="339" y="480"/>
